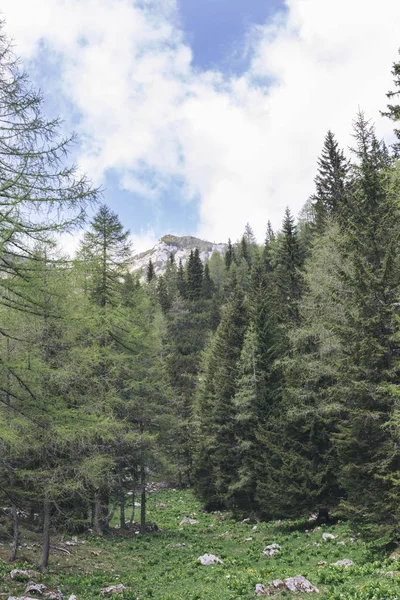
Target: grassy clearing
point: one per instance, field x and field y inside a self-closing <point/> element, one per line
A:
<point x="165" y="566"/>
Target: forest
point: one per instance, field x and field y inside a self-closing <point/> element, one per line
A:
<point x="266" y="380"/>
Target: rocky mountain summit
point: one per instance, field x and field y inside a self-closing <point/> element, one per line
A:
<point x="180" y="247"/>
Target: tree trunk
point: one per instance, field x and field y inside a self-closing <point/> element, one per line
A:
<point x="14" y="516"/>
<point x="46" y="536"/>
<point x="97" y="524"/>
<point x="122" y="522"/>
<point x="134" y="486"/>
<point x="143" y="499"/>
<point x="14" y="519"/>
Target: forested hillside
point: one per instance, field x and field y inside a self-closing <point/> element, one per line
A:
<point x="266" y="379"/>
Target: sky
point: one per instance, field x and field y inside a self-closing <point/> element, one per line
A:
<point x="199" y="116"/>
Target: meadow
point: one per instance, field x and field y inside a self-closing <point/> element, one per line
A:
<point x="164" y="565"/>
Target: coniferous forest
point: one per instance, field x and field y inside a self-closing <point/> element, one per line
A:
<point x="267" y="380"/>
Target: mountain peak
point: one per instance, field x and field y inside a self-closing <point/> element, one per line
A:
<point x="179" y="246"/>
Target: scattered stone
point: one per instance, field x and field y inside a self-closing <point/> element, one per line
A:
<point x="113" y="589"/>
<point x="161" y="505"/>
<point x="346" y="562"/>
<point x="254" y="528"/>
<point x="249" y="539"/>
<point x="321" y="563"/>
<point x="328" y="536"/>
<point x="353" y="539"/>
<point x="38" y="588"/>
<point x="71" y="543"/>
<point x="261" y="590"/>
<point x="209" y="559"/>
<point x="300" y="584"/>
<point x="341" y="543"/>
<point x="73" y="597"/>
<point x="291" y="584"/>
<point x="316" y="544"/>
<point x="21" y="574"/>
<point x="225" y="534"/>
<point x="187" y="521"/>
<point x="317" y="529"/>
<point x="20" y="598"/>
<point x="392" y="573"/>
<point x="271" y="550"/>
<point x="57" y="595"/>
<point x="313" y="517"/>
<point x="246" y="520"/>
<point x="278" y="584"/>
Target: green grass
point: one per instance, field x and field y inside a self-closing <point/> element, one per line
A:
<point x="165" y="566"/>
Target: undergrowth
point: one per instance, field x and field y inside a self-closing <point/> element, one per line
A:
<point x="165" y="566"/>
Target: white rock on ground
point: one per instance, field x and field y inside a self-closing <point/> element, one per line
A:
<point x="291" y="584"/>
<point x="113" y="589"/>
<point x="346" y="562"/>
<point x="22" y="573"/>
<point x="300" y="584"/>
<point x="328" y="536"/>
<point x="187" y="521"/>
<point x="38" y="588"/>
<point x="209" y="559"/>
<point x="271" y="550"/>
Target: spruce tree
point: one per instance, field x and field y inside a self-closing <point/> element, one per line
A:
<point x="393" y="111"/>
<point x="217" y="459"/>
<point x="290" y="259"/>
<point x="150" y="273"/>
<point x="330" y="182"/>
<point x="370" y="369"/>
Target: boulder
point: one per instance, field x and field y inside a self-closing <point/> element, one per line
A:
<point x="38" y="588"/>
<point x="21" y="574"/>
<point x="209" y="559"/>
<point x="328" y="536"/>
<point x="57" y="595"/>
<point x="300" y="584"/>
<point x="291" y="584"/>
<point x="346" y="562"/>
<point x="271" y="550"/>
<point x="188" y="521"/>
<point x="112" y="589"/>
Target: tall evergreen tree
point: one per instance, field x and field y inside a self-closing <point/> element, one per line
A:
<point x="393" y="111"/>
<point x="370" y="368"/>
<point x="330" y="182"/>
<point x="217" y="452"/>
<point x="288" y="272"/>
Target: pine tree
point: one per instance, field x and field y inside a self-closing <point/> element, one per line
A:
<point x="288" y="272"/>
<point x="217" y="453"/>
<point x="370" y="369"/>
<point x="393" y="111"/>
<point x="150" y="273"/>
<point x="229" y="255"/>
<point x="194" y="276"/>
<point x="330" y="182"/>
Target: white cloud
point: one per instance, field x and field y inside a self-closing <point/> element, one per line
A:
<point x="144" y="240"/>
<point x="244" y="149"/>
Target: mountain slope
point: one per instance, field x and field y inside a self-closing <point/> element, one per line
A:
<point x="180" y="247"/>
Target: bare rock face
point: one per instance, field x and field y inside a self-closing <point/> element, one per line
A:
<point x="179" y="247"/>
<point x="209" y="559"/>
